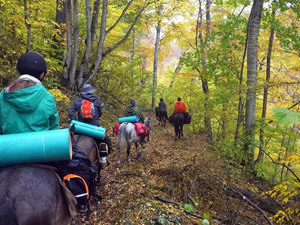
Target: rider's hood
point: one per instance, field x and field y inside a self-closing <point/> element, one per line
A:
<point x="25" y="100"/>
<point x="89" y="97"/>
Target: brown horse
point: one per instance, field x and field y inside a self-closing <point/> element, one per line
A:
<point x="34" y="195"/>
<point x="88" y="145"/>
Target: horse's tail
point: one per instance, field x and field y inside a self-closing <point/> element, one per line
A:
<point x="121" y="136"/>
<point x="7" y="215"/>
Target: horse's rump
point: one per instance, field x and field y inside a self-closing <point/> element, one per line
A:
<point x="34" y="195"/>
<point x="88" y="145"/>
<point x="179" y="118"/>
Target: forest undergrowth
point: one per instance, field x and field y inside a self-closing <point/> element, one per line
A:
<point x="174" y="182"/>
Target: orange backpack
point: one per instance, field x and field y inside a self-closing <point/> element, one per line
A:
<point x="87" y="109"/>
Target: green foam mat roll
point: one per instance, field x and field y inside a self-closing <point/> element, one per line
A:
<point x="130" y="119"/>
<point x="88" y="129"/>
<point x="35" y="147"/>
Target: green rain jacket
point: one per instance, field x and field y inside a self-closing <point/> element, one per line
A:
<point x="27" y="110"/>
<point x="134" y="111"/>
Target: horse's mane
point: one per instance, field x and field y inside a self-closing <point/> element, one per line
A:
<point x="20" y="84"/>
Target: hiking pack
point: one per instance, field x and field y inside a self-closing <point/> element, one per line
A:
<point x="87" y="109"/>
<point x="141" y="129"/>
<point x="187" y="118"/>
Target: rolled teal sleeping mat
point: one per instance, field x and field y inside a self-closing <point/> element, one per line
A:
<point x="87" y="129"/>
<point x="35" y="147"/>
<point x="130" y="119"/>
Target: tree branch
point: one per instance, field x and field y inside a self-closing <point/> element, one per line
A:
<point x="120" y="17"/>
<point x="109" y="50"/>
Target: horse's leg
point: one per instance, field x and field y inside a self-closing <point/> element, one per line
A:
<point x="176" y="132"/>
<point x="128" y="152"/>
<point x="138" y="154"/>
<point x="119" y="154"/>
<point x="143" y="146"/>
<point x="182" y="131"/>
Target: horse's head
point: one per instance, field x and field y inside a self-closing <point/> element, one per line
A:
<point x="147" y="122"/>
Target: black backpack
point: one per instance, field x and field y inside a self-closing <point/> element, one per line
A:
<point x="187" y="118"/>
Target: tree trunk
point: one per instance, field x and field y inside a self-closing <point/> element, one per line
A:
<point x="254" y="23"/>
<point x="103" y="34"/>
<point x="156" y="51"/>
<point x="95" y="19"/>
<point x="266" y="90"/>
<point x="204" y="81"/>
<point x="68" y="60"/>
<point x="28" y="26"/>
<point x="132" y="52"/>
<point x="88" y="48"/>
<point x="241" y="101"/>
<point x="85" y="73"/>
<point x="72" y="74"/>
<point x="60" y="31"/>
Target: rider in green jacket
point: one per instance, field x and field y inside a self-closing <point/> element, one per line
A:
<point x="133" y="110"/>
<point x="32" y="108"/>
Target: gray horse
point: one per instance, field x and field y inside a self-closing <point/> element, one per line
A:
<point x="33" y="195"/>
<point x="127" y="135"/>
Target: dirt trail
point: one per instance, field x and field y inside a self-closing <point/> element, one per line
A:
<point x="184" y="172"/>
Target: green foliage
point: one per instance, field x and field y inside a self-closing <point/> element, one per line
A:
<point x="188" y="207"/>
<point x="285" y="117"/>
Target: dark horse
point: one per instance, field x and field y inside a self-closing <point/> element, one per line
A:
<point x="178" y="121"/>
<point x="34" y="195"/>
<point x="162" y="115"/>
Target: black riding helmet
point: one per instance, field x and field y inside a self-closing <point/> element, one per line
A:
<point x="32" y="64"/>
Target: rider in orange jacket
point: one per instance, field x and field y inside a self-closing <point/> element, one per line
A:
<point x="179" y="107"/>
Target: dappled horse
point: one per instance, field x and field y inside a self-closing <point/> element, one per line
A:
<point x="178" y="121"/>
<point x="34" y="195"/>
<point x="127" y="135"/>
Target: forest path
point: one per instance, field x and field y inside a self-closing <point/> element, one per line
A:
<point x="184" y="172"/>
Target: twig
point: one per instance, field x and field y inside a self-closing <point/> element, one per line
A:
<point x="252" y="204"/>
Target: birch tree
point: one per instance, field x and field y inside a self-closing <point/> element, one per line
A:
<point x="156" y="52"/>
<point x="250" y="117"/>
<point x="202" y="43"/>
<point x="89" y="68"/>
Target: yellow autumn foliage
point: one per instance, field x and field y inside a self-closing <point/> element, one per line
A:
<point x="59" y="96"/>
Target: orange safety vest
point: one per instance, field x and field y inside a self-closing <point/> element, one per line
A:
<point x="179" y="107"/>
